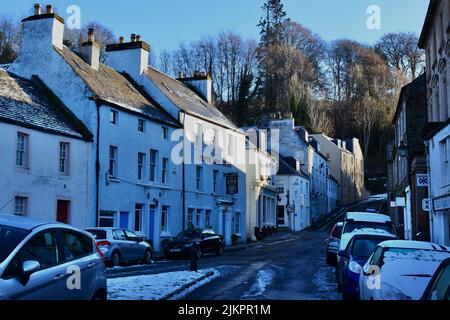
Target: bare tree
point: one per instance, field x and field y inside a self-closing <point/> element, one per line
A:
<point x="9" y="39"/>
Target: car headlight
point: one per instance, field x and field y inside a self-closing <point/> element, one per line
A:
<point x="354" y="267"/>
<point x="188" y="245"/>
<point x="389" y="292"/>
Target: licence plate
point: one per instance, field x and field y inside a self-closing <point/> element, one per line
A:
<point x="175" y="250"/>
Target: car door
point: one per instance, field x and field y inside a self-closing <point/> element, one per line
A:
<point x="47" y="283"/>
<point x="80" y="262"/>
<point x="368" y="288"/>
<point x="123" y="244"/>
<point x="205" y="241"/>
<point x="134" y="245"/>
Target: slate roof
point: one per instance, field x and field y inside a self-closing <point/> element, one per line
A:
<point x="114" y="88"/>
<point x="286" y="169"/>
<point x="26" y="103"/>
<point x="186" y="99"/>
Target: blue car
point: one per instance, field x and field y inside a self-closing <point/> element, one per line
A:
<point x="358" y="251"/>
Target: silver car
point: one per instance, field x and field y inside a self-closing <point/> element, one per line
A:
<point x="121" y="246"/>
<point x="48" y="261"/>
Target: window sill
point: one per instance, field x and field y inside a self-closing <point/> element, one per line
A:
<point x="114" y="180"/>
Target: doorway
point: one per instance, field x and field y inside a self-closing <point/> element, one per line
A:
<point x="281" y="219"/>
<point x="63" y="211"/>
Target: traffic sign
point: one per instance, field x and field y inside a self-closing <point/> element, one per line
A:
<point x="426" y="204"/>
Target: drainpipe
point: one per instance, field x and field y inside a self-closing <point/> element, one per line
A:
<point x="97" y="167"/>
<point x="183" y="116"/>
<point x="431" y="213"/>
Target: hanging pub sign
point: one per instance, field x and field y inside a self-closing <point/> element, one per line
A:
<point x="232" y="183"/>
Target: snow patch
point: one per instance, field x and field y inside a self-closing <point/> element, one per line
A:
<point x="196" y="286"/>
<point x="264" y="279"/>
<point x="152" y="287"/>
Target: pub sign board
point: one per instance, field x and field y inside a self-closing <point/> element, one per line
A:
<point x="232" y="184"/>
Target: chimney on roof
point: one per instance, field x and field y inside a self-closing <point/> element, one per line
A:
<point x="121" y="40"/>
<point x="37" y="9"/>
<point x="90" y="51"/>
<point x="130" y="57"/>
<point x="50" y="9"/>
<point x="201" y="83"/>
<point x="41" y="33"/>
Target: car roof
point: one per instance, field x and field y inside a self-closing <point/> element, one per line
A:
<point x="367" y="217"/>
<point x="406" y="244"/>
<point x="24" y="223"/>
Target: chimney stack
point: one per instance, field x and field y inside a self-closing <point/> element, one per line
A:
<point x="37" y="9"/>
<point x="90" y="51"/>
<point x="202" y="83"/>
<point x="130" y="57"/>
<point x="50" y="9"/>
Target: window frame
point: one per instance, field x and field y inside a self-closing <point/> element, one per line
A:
<point x="24" y="152"/>
<point x="113" y="117"/>
<point x="141" y="125"/>
<point x="165" y="170"/>
<point x="165" y="218"/>
<point x="113" y="157"/>
<point x="198" y="178"/>
<point x="141" y="166"/>
<point x="153" y="165"/>
<point x="25" y="205"/>
<point x="66" y="158"/>
<point x="138" y="217"/>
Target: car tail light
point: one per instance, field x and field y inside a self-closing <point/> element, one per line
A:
<point x="104" y="243"/>
<point x="100" y="251"/>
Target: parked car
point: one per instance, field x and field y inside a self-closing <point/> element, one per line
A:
<point x="439" y="286"/>
<point x="121" y="246"/>
<point x="38" y="260"/>
<point x="333" y="243"/>
<point x="202" y="241"/>
<point x="360" y="221"/>
<point x="358" y="251"/>
<point x="400" y="270"/>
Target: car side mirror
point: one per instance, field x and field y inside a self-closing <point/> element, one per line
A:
<point x="343" y="254"/>
<point x="28" y="268"/>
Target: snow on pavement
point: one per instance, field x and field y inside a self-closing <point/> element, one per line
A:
<point x="153" y="287"/>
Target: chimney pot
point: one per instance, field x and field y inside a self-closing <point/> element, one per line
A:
<point x="121" y="40"/>
<point x="138" y="38"/>
<point x="50" y="8"/>
<point x="37" y="9"/>
<point x="133" y="37"/>
<point x="91" y="36"/>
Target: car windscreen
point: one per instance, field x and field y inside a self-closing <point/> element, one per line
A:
<point x="98" y="234"/>
<point x="9" y="238"/>
<point x="364" y="248"/>
<point x="351" y="226"/>
<point x="188" y="234"/>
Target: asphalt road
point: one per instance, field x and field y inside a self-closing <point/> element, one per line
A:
<point x="291" y="269"/>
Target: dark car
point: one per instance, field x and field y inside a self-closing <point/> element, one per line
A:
<point x="333" y="243"/>
<point x="199" y="241"/>
<point x="358" y="251"/>
<point x="439" y="286"/>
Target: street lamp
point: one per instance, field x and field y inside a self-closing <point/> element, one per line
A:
<point x="403" y="150"/>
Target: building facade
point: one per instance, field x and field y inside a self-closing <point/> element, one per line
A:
<point x="435" y="40"/>
<point x="261" y="171"/>
<point x="33" y="124"/>
<point x="332" y="193"/>
<point x="293" y="187"/>
<point x="408" y="161"/>
<point x="210" y="147"/>
<point x="134" y="182"/>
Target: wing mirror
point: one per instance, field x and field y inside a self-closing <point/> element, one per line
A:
<point x="28" y="268"/>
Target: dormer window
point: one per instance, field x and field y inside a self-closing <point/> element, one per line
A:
<point x="141" y="125"/>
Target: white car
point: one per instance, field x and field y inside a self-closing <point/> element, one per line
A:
<point x="400" y="270"/>
<point x="355" y="222"/>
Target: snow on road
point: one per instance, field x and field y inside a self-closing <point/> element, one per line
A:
<point x="264" y="279"/>
<point x="325" y="284"/>
<point x="153" y="287"/>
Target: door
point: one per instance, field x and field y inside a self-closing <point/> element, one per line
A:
<point x="120" y="239"/>
<point x="124" y="220"/>
<point x="136" y="252"/>
<point x="280" y="216"/>
<point x="226" y="227"/>
<point x="151" y="224"/>
<point x="79" y="262"/>
<point x="48" y="283"/>
<point x="62" y="211"/>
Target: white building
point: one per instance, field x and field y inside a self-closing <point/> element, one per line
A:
<point x="293" y="187"/>
<point x="135" y="183"/>
<point x="43" y="154"/>
<point x="435" y="41"/>
<point x="261" y="191"/>
<point x="214" y="182"/>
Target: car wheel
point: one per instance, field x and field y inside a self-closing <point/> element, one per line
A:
<point x="115" y="259"/>
<point x="148" y="257"/>
<point x="100" y="295"/>
<point x="198" y="251"/>
<point x="219" y="251"/>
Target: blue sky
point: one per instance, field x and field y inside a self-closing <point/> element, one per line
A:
<point x="164" y="23"/>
